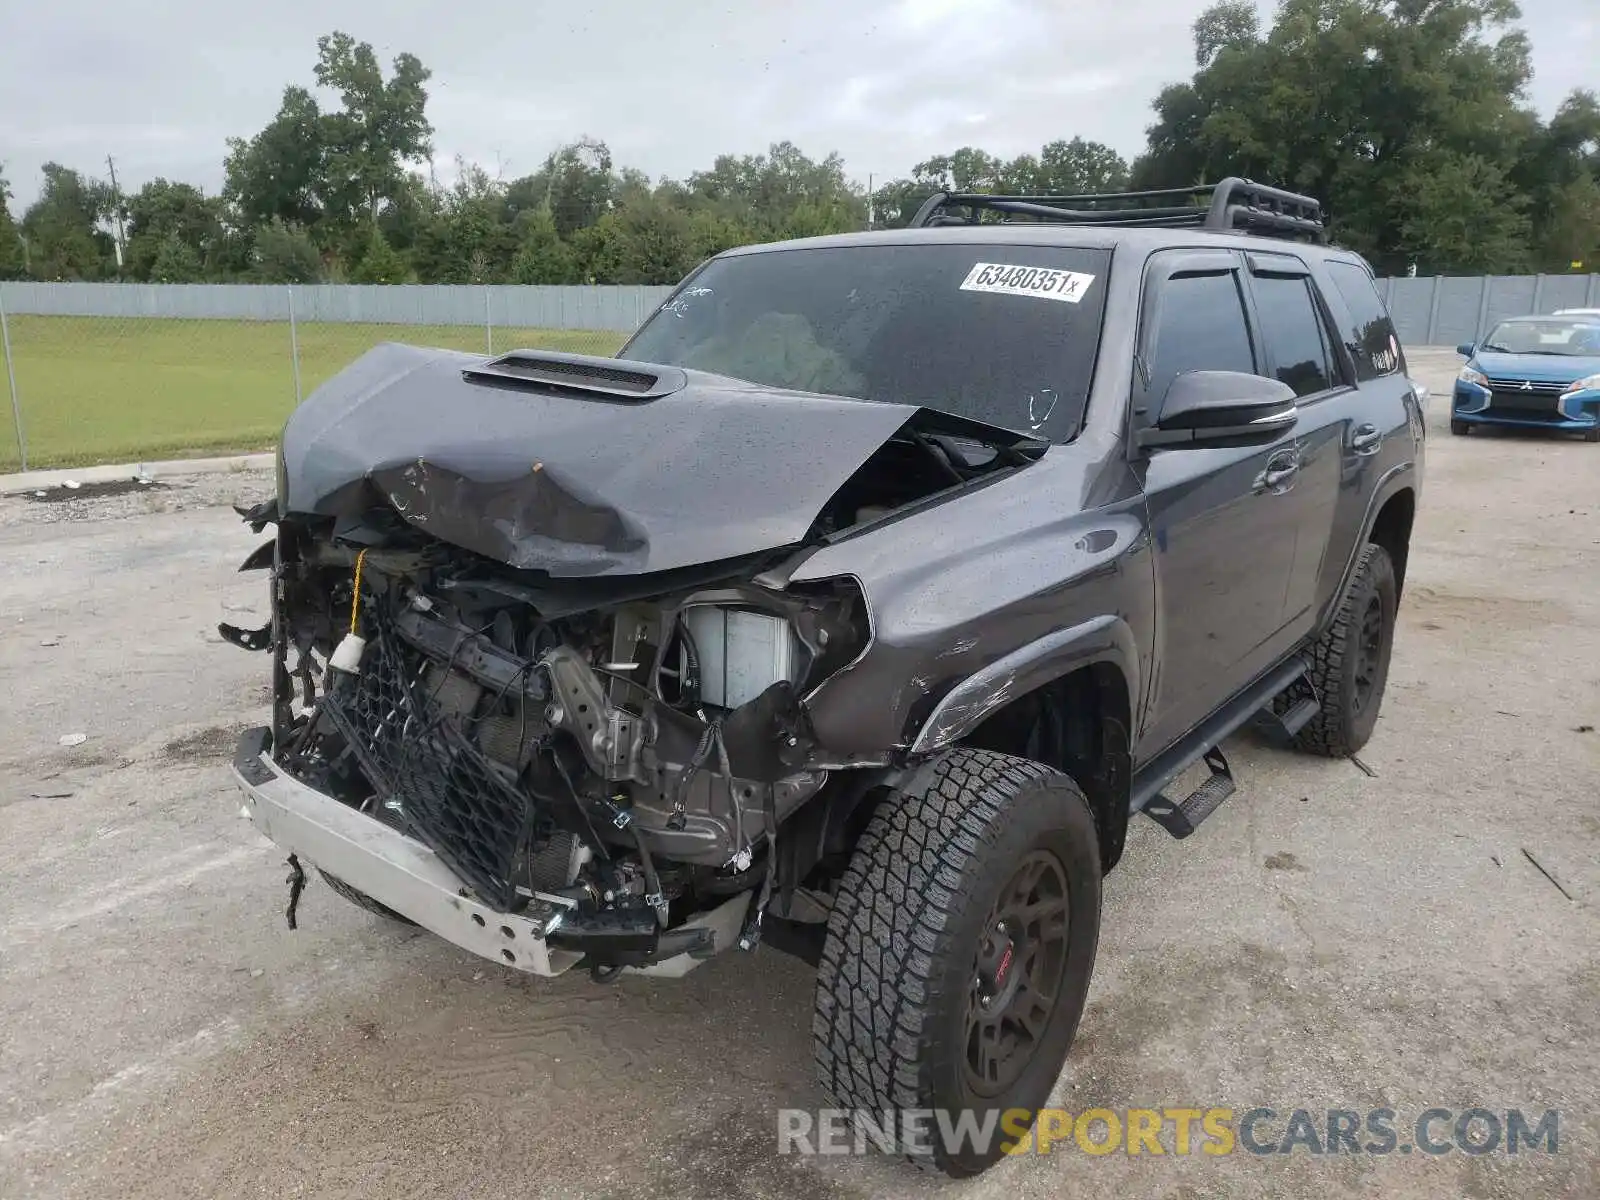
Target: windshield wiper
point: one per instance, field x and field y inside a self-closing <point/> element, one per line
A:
<point x="1491" y="346"/>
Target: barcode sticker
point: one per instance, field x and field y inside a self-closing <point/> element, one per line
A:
<point x="1043" y="283"/>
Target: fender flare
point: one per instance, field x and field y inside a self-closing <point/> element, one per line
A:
<point x="1103" y="639"/>
<point x="1395" y="480"/>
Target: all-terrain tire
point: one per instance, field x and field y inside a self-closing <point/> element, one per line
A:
<point x="361" y="900"/>
<point x="1461" y="428"/>
<point x="1349" y="668"/>
<point x="902" y="969"/>
<point x="1592" y="435"/>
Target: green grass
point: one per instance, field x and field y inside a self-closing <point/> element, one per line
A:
<point x="100" y="389"/>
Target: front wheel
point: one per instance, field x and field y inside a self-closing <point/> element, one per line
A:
<point x="958" y="954"/>
<point x="1350" y="662"/>
<point x="1461" y="428"/>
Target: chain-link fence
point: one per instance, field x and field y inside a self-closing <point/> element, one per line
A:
<point x="133" y="373"/>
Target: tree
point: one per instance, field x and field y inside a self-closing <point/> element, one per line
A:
<point x="649" y="241"/>
<point x="162" y="211"/>
<point x="333" y="172"/>
<point x="278" y="175"/>
<point x="965" y="170"/>
<point x="382" y="126"/>
<point x="780" y="192"/>
<point x="1458" y="213"/>
<point x="542" y="257"/>
<point x="1060" y="168"/>
<point x="175" y="261"/>
<point x="1077" y="167"/>
<point x="13" y="256"/>
<point x="1362" y="103"/>
<point x="469" y="241"/>
<point x="63" y="227"/>
<point x="1560" y="170"/>
<point x="1572" y="227"/>
<point x="379" y="262"/>
<point x="578" y="184"/>
<point x="285" y="254"/>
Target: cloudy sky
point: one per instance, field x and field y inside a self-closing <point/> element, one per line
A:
<point x="160" y="85"/>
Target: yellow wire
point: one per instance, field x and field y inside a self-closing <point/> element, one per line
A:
<point x="355" y="591"/>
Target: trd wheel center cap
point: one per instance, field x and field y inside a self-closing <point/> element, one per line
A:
<point x="999" y="969"/>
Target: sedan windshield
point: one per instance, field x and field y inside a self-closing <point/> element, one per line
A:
<point x="1005" y="334"/>
<point x="1564" y="336"/>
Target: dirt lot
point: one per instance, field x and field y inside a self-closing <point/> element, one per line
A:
<point x="1329" y="940"/>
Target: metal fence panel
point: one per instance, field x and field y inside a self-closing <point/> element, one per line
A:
<point x="1456" y="316"/>
<point x="1509" y="296"/>
<point x="1410" y="302"/>
<point x="1446" y="310"/>
<point x="1565" y="291"/>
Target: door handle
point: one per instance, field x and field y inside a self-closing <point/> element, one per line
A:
<point x="1279" y="473"/>
<point x="1366" y="439"/>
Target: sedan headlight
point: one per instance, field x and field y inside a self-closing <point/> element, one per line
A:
<point x="1468" y="375"/>
<point x="1587" y="384"/>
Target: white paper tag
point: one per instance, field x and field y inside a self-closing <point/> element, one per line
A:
<point x="1043" y="283"/>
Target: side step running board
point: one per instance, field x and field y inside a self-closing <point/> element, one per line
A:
<point x="1303" y="704"/>
<point x="1182" y="819"/>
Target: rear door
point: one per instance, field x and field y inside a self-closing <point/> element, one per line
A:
<point x="1300" y="349"/>
<point x="1223" y="520"/>
<point x="1386" y="404"/>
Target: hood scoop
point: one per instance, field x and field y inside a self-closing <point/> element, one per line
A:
<point x="611" y="378"/>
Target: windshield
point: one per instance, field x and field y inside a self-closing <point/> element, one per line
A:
<point x="1002" y="334"/>
<point x="1565" y="336"/>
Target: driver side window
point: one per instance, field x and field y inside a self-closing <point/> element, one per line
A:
<point x="1201" y="327"/>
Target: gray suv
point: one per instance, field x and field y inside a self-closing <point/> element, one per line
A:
<point x="853" y="609"/>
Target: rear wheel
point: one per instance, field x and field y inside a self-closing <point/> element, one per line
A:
<point x="959" y="951"/>
<point x="1350" y="664"/>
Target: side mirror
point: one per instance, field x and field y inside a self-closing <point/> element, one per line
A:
<point x="1466" y="349"/>
<point x="1222" y="408"/>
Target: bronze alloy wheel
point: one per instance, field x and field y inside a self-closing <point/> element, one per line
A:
<point x="1017" y="975"/>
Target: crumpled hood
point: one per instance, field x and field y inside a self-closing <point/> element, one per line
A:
<point x="1541" y="368"/>
<point x="569" y="482"/>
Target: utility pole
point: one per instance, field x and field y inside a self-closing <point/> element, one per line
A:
<point x="871" y="216"/>
<point x="116" y="212"/>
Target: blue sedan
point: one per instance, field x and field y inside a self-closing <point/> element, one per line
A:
<point x="1538" y="372"/>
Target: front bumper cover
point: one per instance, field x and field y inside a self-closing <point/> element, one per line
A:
<point x="408" y="877"/>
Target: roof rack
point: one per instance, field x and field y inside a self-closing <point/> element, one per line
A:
<point x="1233" y="204"/>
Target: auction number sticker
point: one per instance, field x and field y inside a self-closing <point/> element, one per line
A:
<point x="1043" y="283"/>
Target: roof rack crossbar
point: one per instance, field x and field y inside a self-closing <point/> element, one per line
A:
<point x="1232" y="204"/>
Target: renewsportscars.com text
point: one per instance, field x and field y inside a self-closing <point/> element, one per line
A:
<point x="1175" y="1130"/>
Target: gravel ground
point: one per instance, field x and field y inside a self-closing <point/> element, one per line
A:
<point x="1330" y="939"/>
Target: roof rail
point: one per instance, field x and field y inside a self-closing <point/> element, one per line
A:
<point x="1234" y="204"/>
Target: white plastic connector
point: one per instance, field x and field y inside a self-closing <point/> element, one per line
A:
<point x="347" y="654"/>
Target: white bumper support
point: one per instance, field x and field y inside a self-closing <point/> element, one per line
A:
<point x="405" y="875"/>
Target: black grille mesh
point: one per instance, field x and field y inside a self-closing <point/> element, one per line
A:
<point x="1527" y="405"/>
<point x="415" y="752"/>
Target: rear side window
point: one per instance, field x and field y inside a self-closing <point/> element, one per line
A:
<point x="1293" y="332"/>
<point x="1372" y="340"/>
<point x="1201" y="327"/>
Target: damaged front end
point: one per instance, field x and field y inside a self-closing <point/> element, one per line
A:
<point x="508" y="648"/>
